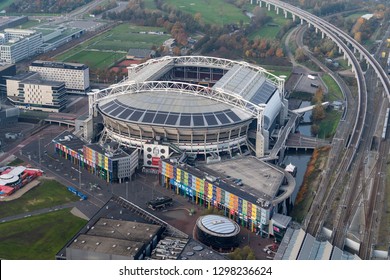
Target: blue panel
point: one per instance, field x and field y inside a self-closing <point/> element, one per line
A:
<point x="110" y="108"/>
<point x="160" y="118"/>
<point x="233" y="116"/>
<point x="149" y="116"/>
<point x="125" y="114"/>
<point x="198" y="120"/>
<point x="117" y="111"/>
<point x="136" y="115"/>
<point x="106" y="105"/>
<point x="210" y="119"/>
<point x="222" y="118"/>
<point x="172" y="119"/>
<point x="185" y="120"/>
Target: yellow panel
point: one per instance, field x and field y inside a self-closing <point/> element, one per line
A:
<point x="253" y="212"/>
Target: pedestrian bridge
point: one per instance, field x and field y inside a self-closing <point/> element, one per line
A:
<point x="308" y="108"/>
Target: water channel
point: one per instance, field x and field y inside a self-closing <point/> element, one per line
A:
<point x="299" y="158"/>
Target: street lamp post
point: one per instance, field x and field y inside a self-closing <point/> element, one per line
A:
<point x="79" y="176"/>
<point x="39" y="150"/>
<point x="127" y="190"/>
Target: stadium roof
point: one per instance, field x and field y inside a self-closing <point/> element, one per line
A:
<point x="172" y="109"/>
<point x="251" y="85"/>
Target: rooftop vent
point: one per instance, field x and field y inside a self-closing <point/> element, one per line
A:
<point x="97" y="243"/>
<point x="83" y="241"/>
<point x="113" y="246"/>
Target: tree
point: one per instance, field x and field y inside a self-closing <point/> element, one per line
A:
<point x="318" y="96"/>
<point x="318" y="113"/>
<point x="245" y="253"/>
<point x="358" y="37"/>
<point x="300" y="55"/>
<point x="198" y="17"/>
<point x="279" y="52"/>
<point x="314" y="129"/>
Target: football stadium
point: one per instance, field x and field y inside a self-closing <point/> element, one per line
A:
<point x="195" y="104"/>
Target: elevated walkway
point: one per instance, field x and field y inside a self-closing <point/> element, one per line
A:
<point x="280" y="143"/>
<point x="308" y="108"/>
<point x="299" y="141"/>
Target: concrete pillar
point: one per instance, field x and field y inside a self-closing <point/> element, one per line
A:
<point x="316" y="30"/>
<point x="285" y="14"/>
<point x="323" y="35"/>
<point x="269" y="7"/>
<point x="309" y="24"/>
<point x="260" y="4"/>
<point x="301" y="21"/>
<point x="293" y="16"/>
<point x="277" y="11"/>
<point x="361" y="56"/>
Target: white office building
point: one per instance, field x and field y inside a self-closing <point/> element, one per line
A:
<point x="28" y="91"/>
<point x="18" y="44"/>
<point x="74" y="75"/>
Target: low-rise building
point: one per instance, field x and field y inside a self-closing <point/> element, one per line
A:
<point x="29" y="91"/>
<point x="74" y="75"/>
<point x="18" y="44"/>
<point x="110" y="163"/>
<point x="246" y="189"/>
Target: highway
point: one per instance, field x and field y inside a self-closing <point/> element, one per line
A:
<point x="343" y="185"/>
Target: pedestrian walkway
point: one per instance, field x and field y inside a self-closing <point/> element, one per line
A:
<point x="39" y="212"/>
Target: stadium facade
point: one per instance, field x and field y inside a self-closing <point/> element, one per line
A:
<point x="200" y="105"/>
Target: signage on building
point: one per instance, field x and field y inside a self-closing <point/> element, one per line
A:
<point x="154" y="153"/>
<point x="187" y="189"/>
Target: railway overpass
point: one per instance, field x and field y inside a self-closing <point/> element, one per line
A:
<point x="331" y="31"/>
<point x="361" y="132"/>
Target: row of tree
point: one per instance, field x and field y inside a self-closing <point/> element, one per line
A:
<point x="103" y="8"/>
<point x="45" y="6"/>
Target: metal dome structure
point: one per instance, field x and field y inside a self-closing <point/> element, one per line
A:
<point x="198" y="104"/>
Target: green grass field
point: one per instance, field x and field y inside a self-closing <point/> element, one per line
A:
<point x="150" y="4"/>
<point x="103" y="51"/>
<point x="272" y="28"/>
<point x="355" y="16"/>
<point x="213" y="11"/>
<point x="279" y="70"/>
<point x="96" y="59"/>
<point x="48" y="194"/>
<point x="5" y="3"/>
<point x="29" y="24"/>
<point x="329" y="125"/>
<point x="38" y="237"/>
<point x="16" y="162"/>
<point x="334" y="91"/>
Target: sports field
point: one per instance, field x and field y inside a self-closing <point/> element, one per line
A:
<point x="213" y="11"/>
<point x="49" y="193"/>
<point x="112" y="46"/>
<point x="38" y="237"/>
<point x="96" y="59"/>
